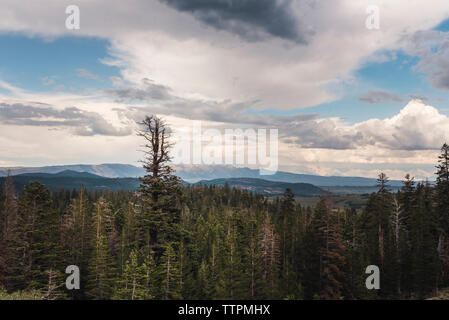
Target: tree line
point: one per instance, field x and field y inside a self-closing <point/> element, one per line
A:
<point x="166" y="241"/>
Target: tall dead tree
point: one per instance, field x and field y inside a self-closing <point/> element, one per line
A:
<point x="160" y="189"/>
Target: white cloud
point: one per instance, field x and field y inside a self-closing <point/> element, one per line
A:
<point x="389" y="144"/>
<point x="408" y="142"/>
<point x="417" y="126"/>
<point x="152" y="40"/>
<point x="223" y="70"/>
<point x="275" y="72"/>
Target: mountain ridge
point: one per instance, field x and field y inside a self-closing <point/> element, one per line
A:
<point x="65" y="173"/>
<point x="195" y="173"/>
<point x="266" y="187"/>
<point x="69" y="180"/>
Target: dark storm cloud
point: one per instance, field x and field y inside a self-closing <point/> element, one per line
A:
<point x="248" y="18"/>
<point x="82" y="123"/>
<point x="373" y="97"/>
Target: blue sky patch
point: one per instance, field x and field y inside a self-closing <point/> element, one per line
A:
<point x="67" y="63"/>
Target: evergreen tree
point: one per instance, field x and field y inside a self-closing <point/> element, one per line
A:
<point x="311" y="263"/>
<point x="331" y="251"/>
<point x="286" y="228"/>
<point x="135" y="278"/>
<point x="76" y="232"/>
<point x="39" y="241"/>
<point x="9" y="255"/>
<point x="170" y="275"/>
<point x="129" y="233"/>
<point x="425" y="265"/>
<point x="384" y="208"/>
<point x="159" y="189"/>
<point x="442" y="203"/>
<point x="101" y="268"/>
<point x="407" y="207"/>
<point x="269" y="243"/>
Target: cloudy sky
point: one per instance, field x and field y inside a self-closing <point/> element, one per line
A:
<point x="346" y="99"/>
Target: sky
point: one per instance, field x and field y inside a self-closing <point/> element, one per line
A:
<point x="346" y="99"/>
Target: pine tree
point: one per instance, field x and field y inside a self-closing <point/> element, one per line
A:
<point x="76" y="232"/>
<point x="385" y="208"/>
<point x="9" y="256"/>
<point x="331" y="250"/>
<point x="286" y="226"/>
<point x="442" y="203"/>
<point x="160" y="189"/>
<point x="101" y="268"/>
<point x="354" y="285"/>
<point x="442" y="186"/>
<point x="170" y="275"/>
<point x="129" y="233"/>
<point x="135" y="278"/>
<point x="425" y="264"/>
<point x="252" y="256"/>
<point x="151" y="284"/>
<point x="311" y="269"/>
<point x="39" y="237"/>
<point x="407" y="207"/>
<point x="269" y="244"/>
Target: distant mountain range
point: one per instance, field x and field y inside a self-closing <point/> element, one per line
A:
<point x="268" y="188"/>
<point x="69" y="180"/>
<point x="195" y="173"/>
<point x="109" y="170"/>
<point x="192" y="173"/>
<point x="124" y="177"/>
<point x="62" y="174"/>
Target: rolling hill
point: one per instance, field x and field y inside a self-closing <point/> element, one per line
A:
<point x="265" y="187"/>
<point x="69" y="180"/>
<point x="114" y="170"/>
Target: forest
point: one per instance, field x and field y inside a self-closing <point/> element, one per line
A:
<point x="169" y="241"/>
